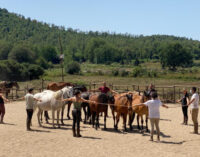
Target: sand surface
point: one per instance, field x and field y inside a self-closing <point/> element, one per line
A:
<point x="15" y="141"/>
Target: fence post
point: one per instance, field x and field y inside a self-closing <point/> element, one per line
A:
<point x="163" y="92"/>
<point x="174" y="94"/>
<point x="42" y="84"/>
<point x="179" y="92"/>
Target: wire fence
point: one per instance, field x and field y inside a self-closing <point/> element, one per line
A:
<point x="169" y="94"/>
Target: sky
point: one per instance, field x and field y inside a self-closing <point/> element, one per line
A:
<point x="136" y="17"/>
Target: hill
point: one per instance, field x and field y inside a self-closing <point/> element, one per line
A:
<point x="16" y="29"/>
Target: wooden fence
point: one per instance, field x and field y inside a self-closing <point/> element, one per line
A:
<point x="166" y="93"/>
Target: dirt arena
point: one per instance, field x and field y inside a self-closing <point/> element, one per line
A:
<point x="176" y="139"/>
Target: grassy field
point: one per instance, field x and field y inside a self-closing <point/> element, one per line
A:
<point x="151" y="72"/>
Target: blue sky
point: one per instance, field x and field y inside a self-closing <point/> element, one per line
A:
<point x="147" y="17"/>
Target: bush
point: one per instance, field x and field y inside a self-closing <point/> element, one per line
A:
<point x="21" y="54"/>
<point x="124" y="73"/>
<point x="13" y="71"/>
<point x="73" y="68"/>
<point x="115" y="72"/>
<point x="49" y="53"/>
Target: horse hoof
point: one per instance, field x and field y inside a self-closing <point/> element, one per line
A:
<point x="59" y="126"/>
<point x="68" y="117"/>
<point x="84" y="122"/>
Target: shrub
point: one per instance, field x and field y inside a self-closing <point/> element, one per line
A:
<point x="34" y="71"/>
<point x="73" y="68"/>
<point x="115" y="72"/>
<point x="124" y="73"/>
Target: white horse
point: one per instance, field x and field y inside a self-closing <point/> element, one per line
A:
<point x="52" y="101"/>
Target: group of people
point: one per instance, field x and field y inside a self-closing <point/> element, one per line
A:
<point x="153" y="107"/>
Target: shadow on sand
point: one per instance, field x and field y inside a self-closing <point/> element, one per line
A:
<point x="93" y="138"/>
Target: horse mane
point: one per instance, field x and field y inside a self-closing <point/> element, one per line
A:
<point x="58" y="94"/>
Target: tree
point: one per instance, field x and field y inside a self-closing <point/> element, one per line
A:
<point x="49" y="53"/>
<point x="21" y="54"/>
<point x="5" y="48"/>
<point x="174" y="55"/>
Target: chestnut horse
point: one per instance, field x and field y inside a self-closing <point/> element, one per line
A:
<point x="101" y="106"/>
<point x="121" y="106"/>
<point x="139" y="110"/>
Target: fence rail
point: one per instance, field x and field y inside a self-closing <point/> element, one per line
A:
<point x="166" y="93"/>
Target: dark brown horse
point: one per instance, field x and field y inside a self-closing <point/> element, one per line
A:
<point x="101" y="106"/>
<point x="7" y="86"/>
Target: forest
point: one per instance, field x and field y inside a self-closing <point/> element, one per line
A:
<point x="31" y="46"/>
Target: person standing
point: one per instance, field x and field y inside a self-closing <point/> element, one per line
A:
<point x="194" y="106"/>
<point x="154" y="113"/>
<point x="2" y="106"/>
<point x="185" y="101"/>
<point x="104" y="89"/>
<point x="76" y="112"/>
<point x="30" y="100"/>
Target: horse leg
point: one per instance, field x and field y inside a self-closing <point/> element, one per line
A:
<point x="105" y="116"/>
<point x="147" y="129"/>
<point x="58" y="115"/>
<point x="62" y="113"/>
<point x="138" y="122"/>
<point x="41" y="116"/>
<point x="117" y="121"/>
<point x="97" y="120"/>
<point x="113" y="114"/>
<point x="68" y="110"/>
<point x="93" y="118"/>
<point x="53" y="117"/>
<point x="124" y="121"/>
<point x="142" y="121"/>
<point x="38" y="116"/>
<point x="131" y="118"/>
<point x="85" y="113"/>
<point x="46" y="115"/>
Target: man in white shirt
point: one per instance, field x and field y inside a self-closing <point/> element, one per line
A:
<point x="29" y="107"/>
<point x="194" y="106"/>
<point x="154" y="113"/>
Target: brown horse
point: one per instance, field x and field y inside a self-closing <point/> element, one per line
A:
<point x="121" y="106"/>
<point x="54" y="86"/>
<point x="6" y="86"/>
<point x="101" y="106"/>
<point x="139" y="110"/>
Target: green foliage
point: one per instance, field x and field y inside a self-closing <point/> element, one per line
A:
<point x="73" y="68"/>
<point x="124" y="73"/>
<point x="49" y="53"/>
<point x="175" y="55"/>
<point x="115" y="72"/>
<point x="21" y="54"/>
<point x="4" y="50"/>
<point x="42" y="63"/>
<point x="14" y="71"/>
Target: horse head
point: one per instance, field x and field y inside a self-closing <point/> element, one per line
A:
<point x="67" y="92"/>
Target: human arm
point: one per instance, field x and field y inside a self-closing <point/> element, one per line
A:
<point x="68" y="99"/>
<point x="6" y="100"/>
<point x="191" y="101"/>
<point x="37" y="99"/>
<point x="88" y="101"/>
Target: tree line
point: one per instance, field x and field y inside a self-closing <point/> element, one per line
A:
<point x="24" y="40"/>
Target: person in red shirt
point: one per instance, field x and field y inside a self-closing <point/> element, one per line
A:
<point x="104" y="89"/>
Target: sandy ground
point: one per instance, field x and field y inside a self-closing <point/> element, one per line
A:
<point x="176" y="139"/>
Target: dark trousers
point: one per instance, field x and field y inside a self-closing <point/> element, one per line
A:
<point x="185" y="111"/>
<point x="76" y="113"/>
<point x="29" y="118"/>
<point x="2" y="112"/>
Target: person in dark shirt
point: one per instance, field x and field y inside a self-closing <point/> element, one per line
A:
<point x="184" y="101"/>
<point x="150" y="90"/>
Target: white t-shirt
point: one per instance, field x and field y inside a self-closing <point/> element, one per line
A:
<point x="154" y="108"/>
<point x="195" y="103"/>
<point x="29" y="101"/>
